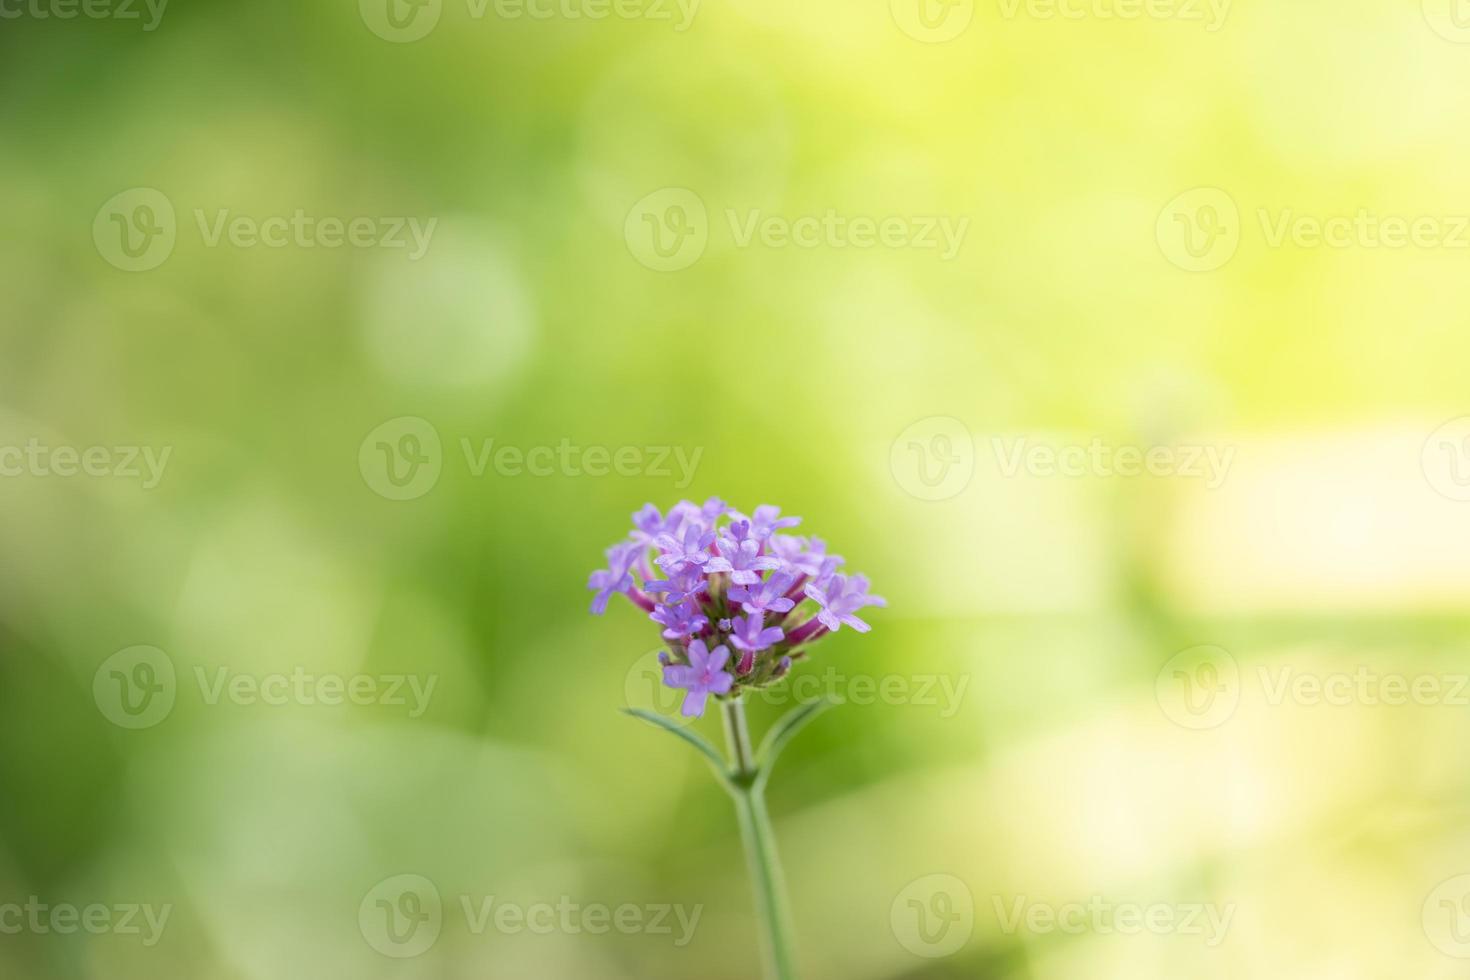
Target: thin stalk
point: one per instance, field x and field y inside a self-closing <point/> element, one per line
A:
<point x="748" y="789"/>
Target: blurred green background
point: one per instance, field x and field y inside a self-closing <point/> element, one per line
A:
<point x="1092" y="677"/>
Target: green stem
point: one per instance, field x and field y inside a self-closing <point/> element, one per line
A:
<point x="748" y="789"/>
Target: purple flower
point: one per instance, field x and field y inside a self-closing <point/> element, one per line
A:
<point x="692" y="549"/>
<point x="704" y="676"/>
<point x="714" y="508"/>
<point x="687" y="583"/>
<point x="840" y="597"/>
<point x="767" y="520"/>
<point x="749" y="635"/>
<point x="617" y="577"/>
<point x="803" y="556"/>
<point x="770" y="576"/>
<point x="648" y="523"/>
<point x="768" y="597"/>
<point x="742" y="560"/>
<point x="679" y="620"/>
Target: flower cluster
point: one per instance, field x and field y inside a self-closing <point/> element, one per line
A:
<point x="737" y="600"/>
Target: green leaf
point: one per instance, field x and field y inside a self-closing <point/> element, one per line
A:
<point x="785" y="730"/>
<point x="693" y="738"/>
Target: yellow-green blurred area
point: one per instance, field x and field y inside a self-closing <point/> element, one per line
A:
<point x="1098" y="696"/>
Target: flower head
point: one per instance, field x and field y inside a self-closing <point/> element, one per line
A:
<point x="768" y="596"/>
<point x="687" y="583"/>
<point x="726" y="576"/>
<point x="692" y="548"/>
<point x="840" y="597"/>
<point x="802" y="556"/>
<point x="705" y="675"/>
<point x="767" y="520"/>
<point x="750" y="634"/>
<point x="616" y="578"/>
<point x="742" y="559"/>
<point x="680" y="621"/>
